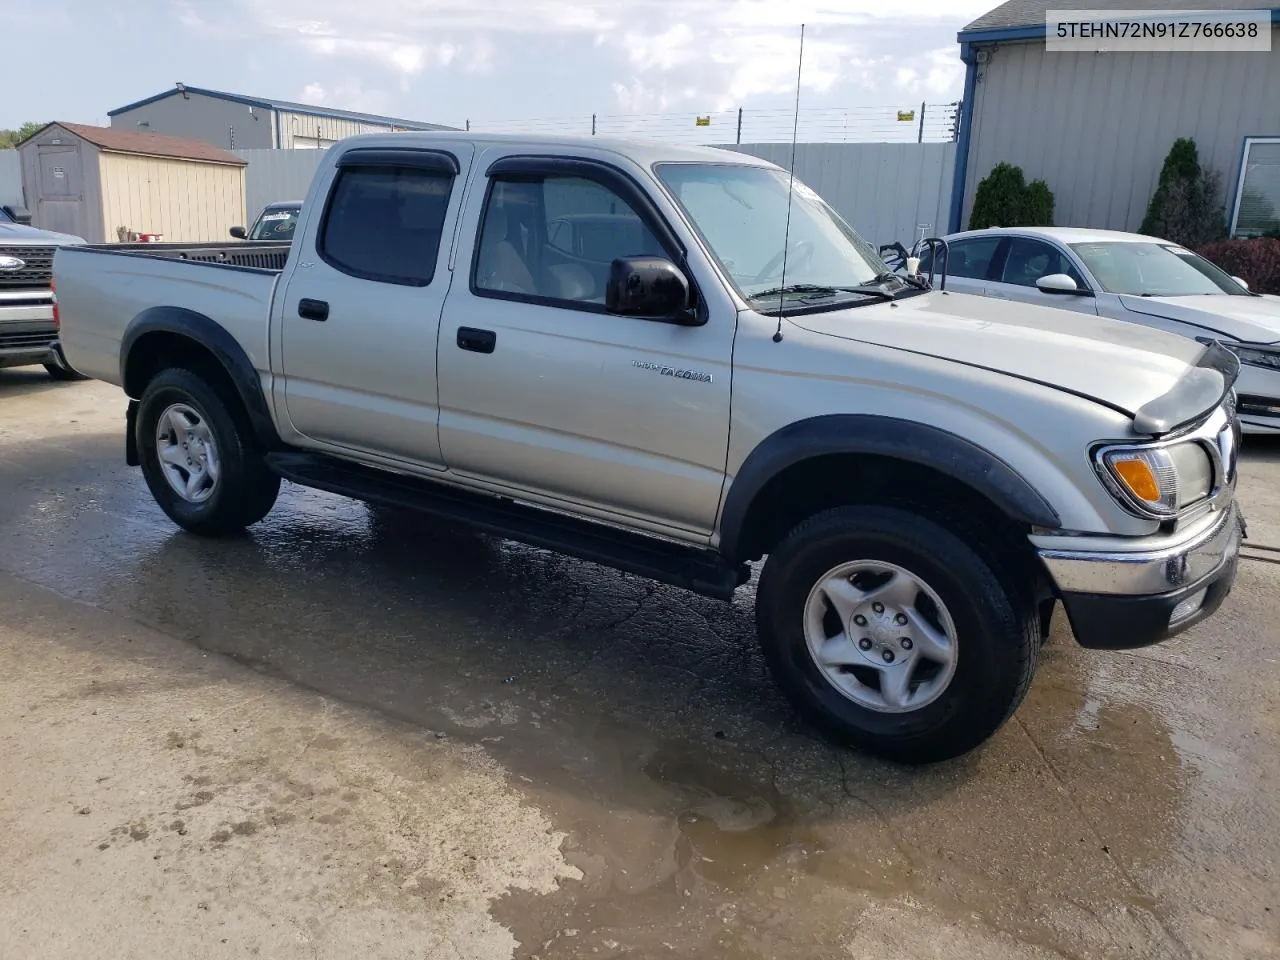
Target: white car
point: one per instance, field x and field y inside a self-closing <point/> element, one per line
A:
<point x="1135" y="278"/>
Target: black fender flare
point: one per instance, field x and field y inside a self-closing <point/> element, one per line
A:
<point x="906" y="440"/>
<point x="213" y="337"/>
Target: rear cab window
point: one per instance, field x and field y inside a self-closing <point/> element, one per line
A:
<point x="385" y="217"/>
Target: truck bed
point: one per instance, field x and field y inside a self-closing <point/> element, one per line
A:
<point x="266" y="256"/>
<point x="103" y="288"/>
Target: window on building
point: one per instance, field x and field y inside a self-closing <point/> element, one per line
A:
<point x="1257" y="210"/>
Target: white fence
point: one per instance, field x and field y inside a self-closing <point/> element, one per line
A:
<point x="888" y="191"/>
<point x="277" y="175"/>
<point x="10" y="177"/>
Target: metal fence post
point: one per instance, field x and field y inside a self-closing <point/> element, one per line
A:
<point x="593" y="124"/>
<point x="739" y="125"/>
<point x="920" y="137"/>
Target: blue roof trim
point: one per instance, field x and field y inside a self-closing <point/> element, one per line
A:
<point x="1036" y="31"/>
<point x="1002" y="33"/>
<point x="306" y="109"/>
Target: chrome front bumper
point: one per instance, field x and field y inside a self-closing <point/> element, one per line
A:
<point x="1133" y="599"/>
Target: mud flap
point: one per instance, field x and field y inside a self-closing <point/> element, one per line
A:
<point x="131" y="435"/>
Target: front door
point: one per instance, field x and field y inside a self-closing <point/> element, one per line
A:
<point x="542" y="391"/>
<point x="1024" y="262"/>
<point x="361" y="313"/>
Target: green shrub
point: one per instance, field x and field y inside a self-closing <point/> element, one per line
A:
<point x="1037" y="205"/>
<point x="1185" y="207"/>
<point x="1005" y="199"/>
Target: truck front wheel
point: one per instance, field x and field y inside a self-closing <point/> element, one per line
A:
<point x="892" y="634"/>
<point x="197" y="459"/>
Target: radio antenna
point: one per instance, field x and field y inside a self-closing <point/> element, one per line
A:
<point x="786" y="238"/>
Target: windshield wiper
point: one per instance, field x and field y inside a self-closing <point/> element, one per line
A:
<point x="815" y="289"/>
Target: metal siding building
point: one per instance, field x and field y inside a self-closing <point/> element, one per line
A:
<point x="236" y="122"/>
<point x="97" y="183"/>
<point x="1097" y="126"/>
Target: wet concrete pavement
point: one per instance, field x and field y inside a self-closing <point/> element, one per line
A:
<point x="632" y="783"/>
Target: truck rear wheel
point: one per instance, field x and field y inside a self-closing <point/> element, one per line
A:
<point x="890" y="633"/>
<point x="197" y="459"/>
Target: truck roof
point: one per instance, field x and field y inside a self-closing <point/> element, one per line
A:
<point x="644" y="152"/>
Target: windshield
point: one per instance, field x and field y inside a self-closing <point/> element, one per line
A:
<point x="275" y="224"/>
<point x="4" y="217"/>
<point x="741" y="213"/>
<point x="1154" y="270"/>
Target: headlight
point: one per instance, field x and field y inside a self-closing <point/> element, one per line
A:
<point x="1157" y="481"/>
<point x="1256" y="355"/>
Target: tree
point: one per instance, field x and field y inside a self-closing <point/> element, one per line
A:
<point x="1037" y="205"/>
<point x="1005" y="199"/>
<point x="1185" y="207"/>
<point x="9" y="139"/>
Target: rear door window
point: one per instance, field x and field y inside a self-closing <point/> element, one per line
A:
<point x="964" y="258"/>
<point x="385" y="223"/>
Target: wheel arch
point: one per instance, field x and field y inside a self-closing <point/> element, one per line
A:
<point x="794" y="452"/>
<point x="175" y="336"/>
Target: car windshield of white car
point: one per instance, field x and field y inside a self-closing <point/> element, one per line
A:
<point x="741" y="212"/>
<point x="275" y="225"/>
<point x="1154" y="270"/>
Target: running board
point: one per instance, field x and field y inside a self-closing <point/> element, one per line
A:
<point x="701" y="571"/>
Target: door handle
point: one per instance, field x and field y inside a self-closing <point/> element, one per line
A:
<point x="313" y="309"/>
<point x="479" y="341"/>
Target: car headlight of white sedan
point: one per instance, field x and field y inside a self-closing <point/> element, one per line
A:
<point x="1254" y="354"/>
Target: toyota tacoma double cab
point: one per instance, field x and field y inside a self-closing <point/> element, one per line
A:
<point x="678" y="362"/>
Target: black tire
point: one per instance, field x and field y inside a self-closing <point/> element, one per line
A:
<point x="245" y="491"/>
<point x="63" y="373"/>
<point x="996" y="622"/>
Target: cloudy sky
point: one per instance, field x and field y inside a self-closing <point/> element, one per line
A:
<point x="488" y="60"/>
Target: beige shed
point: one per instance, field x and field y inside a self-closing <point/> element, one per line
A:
<point x="108" y="185"/>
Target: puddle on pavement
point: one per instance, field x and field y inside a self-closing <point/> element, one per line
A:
<point x="1080" y="804"/>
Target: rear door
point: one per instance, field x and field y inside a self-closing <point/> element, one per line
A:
<point x="967" y="262"/>
<point x="361" y="312"/>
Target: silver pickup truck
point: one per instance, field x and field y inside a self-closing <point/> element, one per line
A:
<point x="676" y="362"/>
<point x="28" y="321"/>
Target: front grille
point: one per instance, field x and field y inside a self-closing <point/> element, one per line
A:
<point x="1258" y="406"/>
<point x="37" y="272"/>
<point x="22" y="341"/>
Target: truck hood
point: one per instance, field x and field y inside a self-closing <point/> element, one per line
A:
<point x="1122" y="365"/>
<point x="1251" y="319"/>
<point x="19" y="235"/>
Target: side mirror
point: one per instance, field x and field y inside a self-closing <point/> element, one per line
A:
<point x="1058" y="283"/>
<point x="239" y="233"/>
<point x="650" y="287"/>
<point x="1241" y="282"/>
<point x="18" y="214"/>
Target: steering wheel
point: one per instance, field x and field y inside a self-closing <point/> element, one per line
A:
<point x="801" y="251"/>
